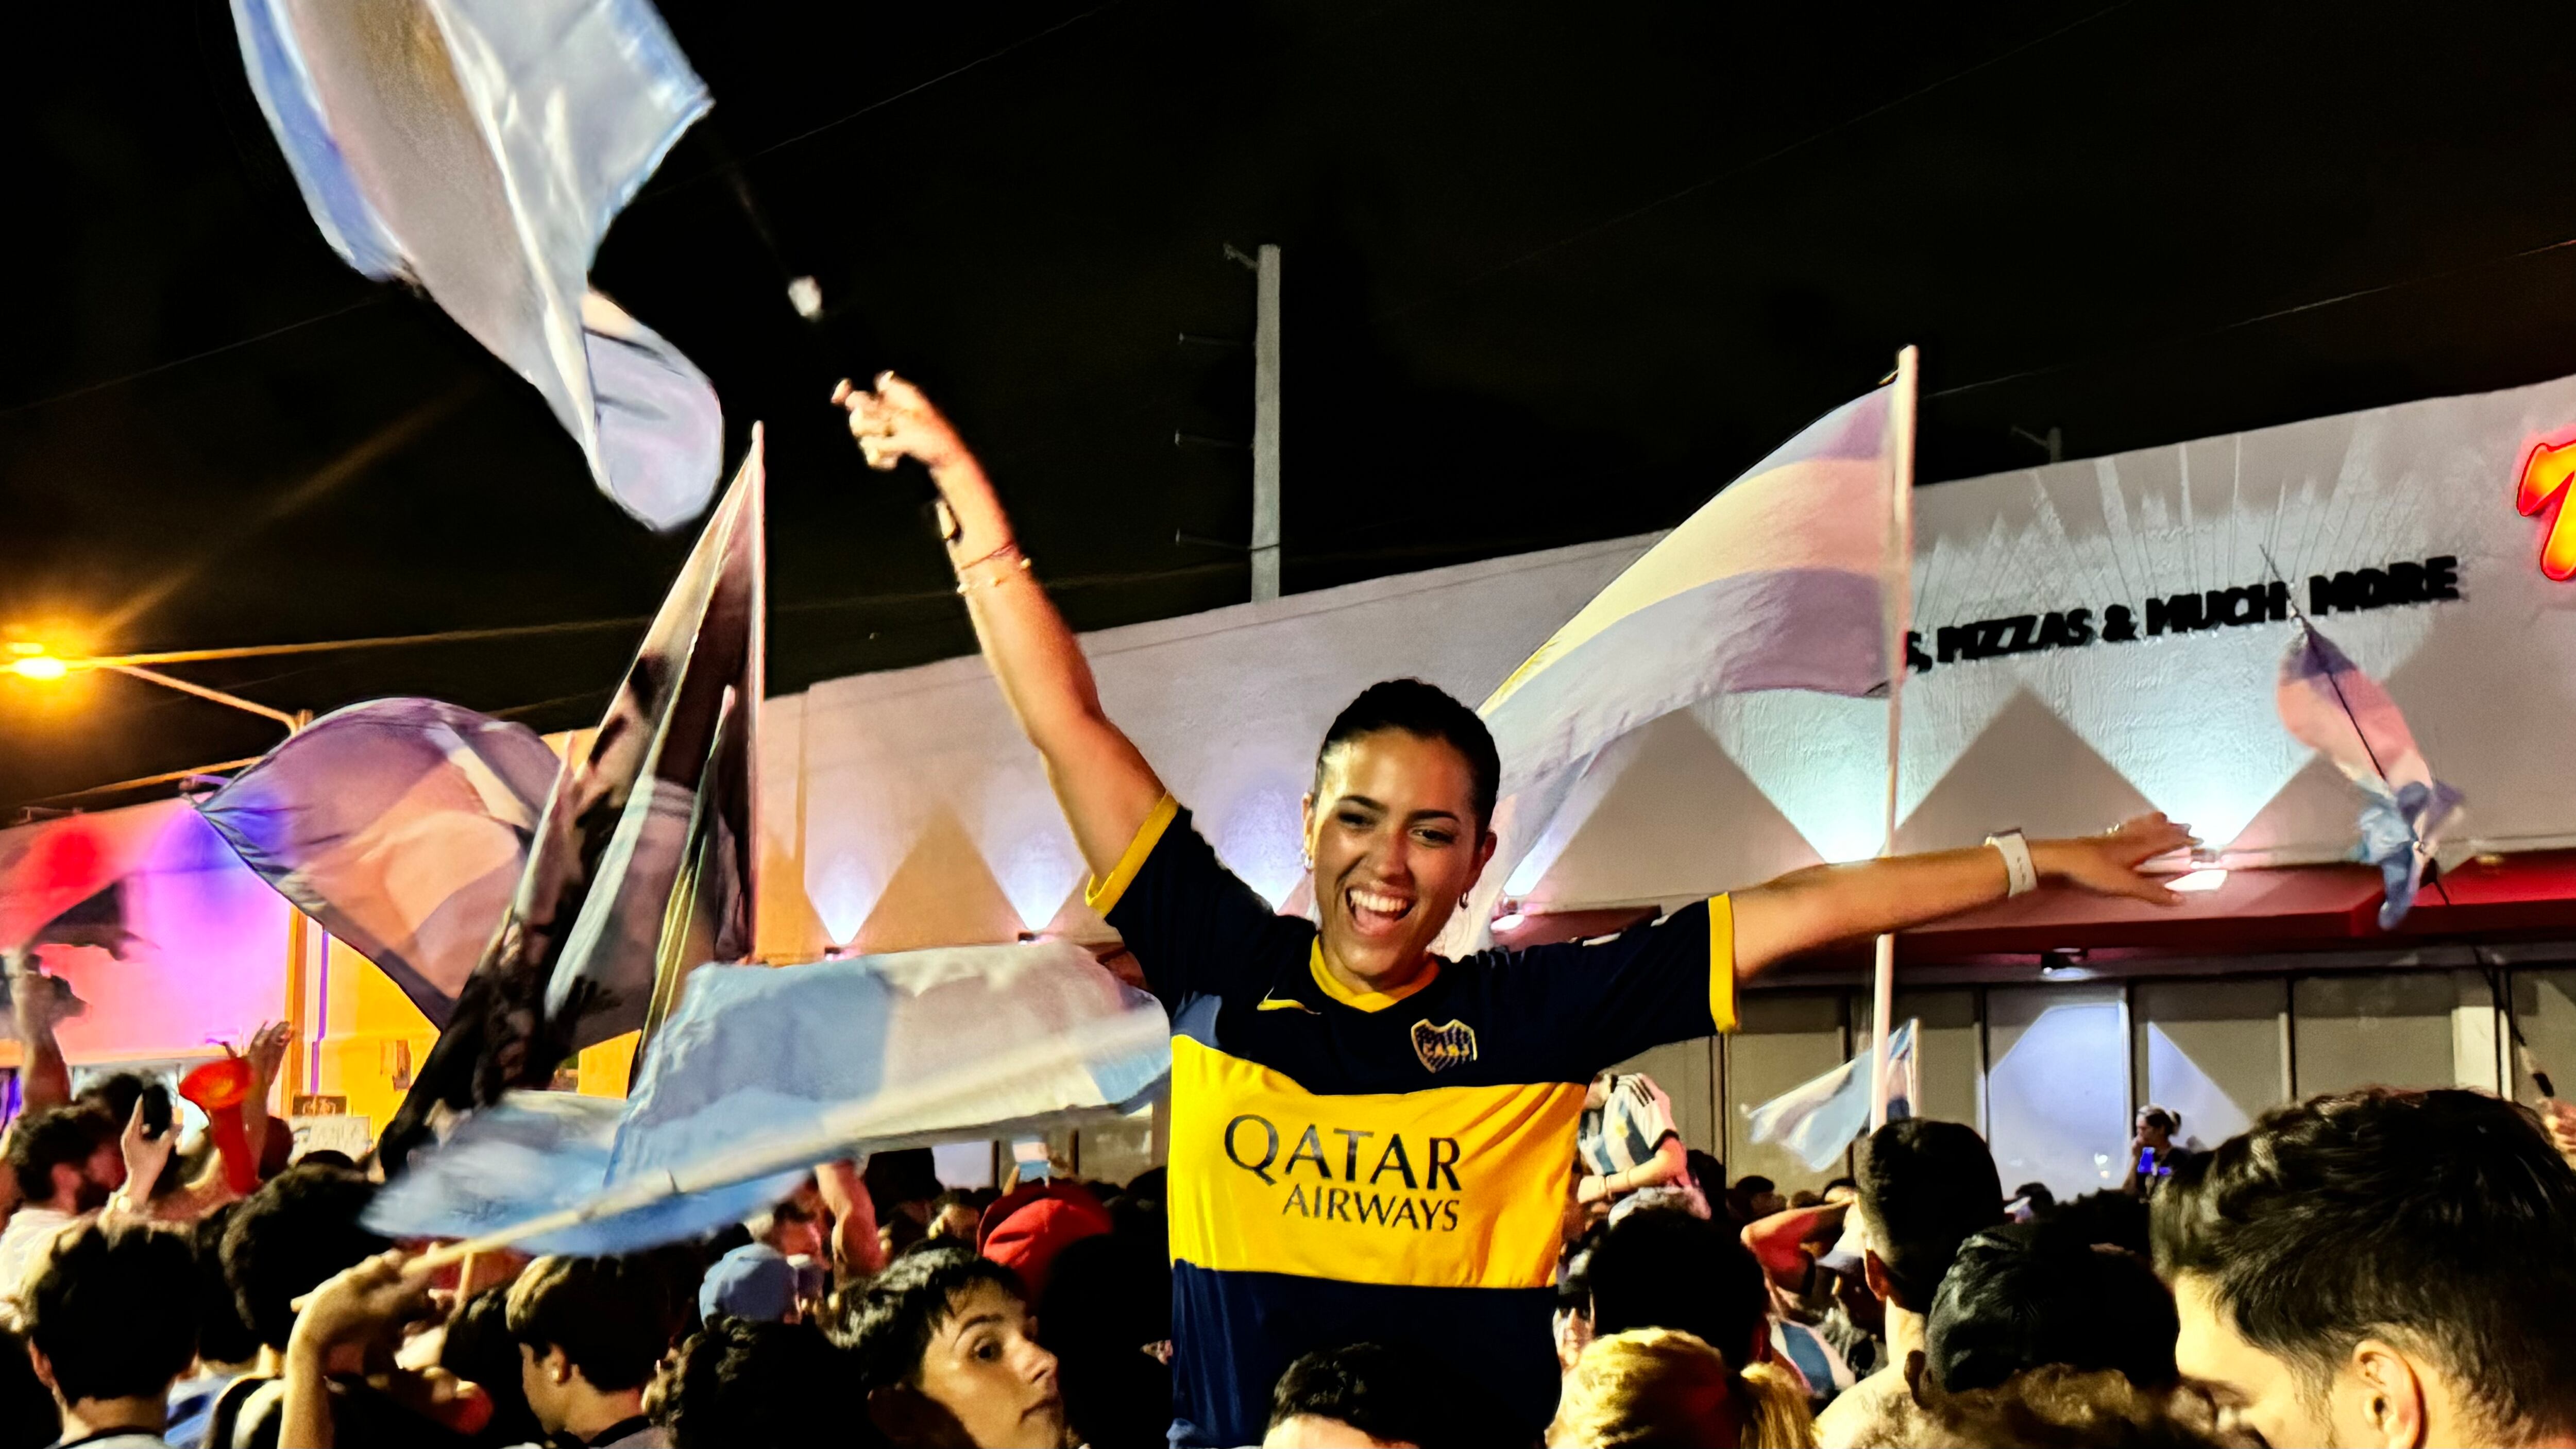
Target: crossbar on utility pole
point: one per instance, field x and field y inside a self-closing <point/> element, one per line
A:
<point x="292" y="722"/>
<point x="1265" y="429"/>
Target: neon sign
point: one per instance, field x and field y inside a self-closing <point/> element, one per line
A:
<point x="2545" y="475"/>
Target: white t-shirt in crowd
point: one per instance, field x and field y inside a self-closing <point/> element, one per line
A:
<point x="30" y="1230"/>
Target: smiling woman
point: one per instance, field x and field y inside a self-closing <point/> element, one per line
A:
<point x="1369" y="1141"/>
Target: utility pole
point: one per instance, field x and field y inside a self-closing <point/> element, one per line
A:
<point x="1265" y="429"/>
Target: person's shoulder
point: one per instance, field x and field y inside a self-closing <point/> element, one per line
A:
<point x="1870" y="1413"/>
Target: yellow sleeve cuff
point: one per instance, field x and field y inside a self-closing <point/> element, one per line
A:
<point x="1721" y="962"/>
<point x="1102" y="895"/>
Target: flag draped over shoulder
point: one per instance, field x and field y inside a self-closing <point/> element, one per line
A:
<point x="2328" y="704"/>
<point x="756" y="1058"/>
<point x="1816" y="1120"/>
<point x="479" y="149"/>
<point x="1782" y="581"/>
<point x="402" y="826"/>
<point x="641" y="866"/>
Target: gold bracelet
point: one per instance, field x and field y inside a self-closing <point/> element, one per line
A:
<point x="964" y="584"/>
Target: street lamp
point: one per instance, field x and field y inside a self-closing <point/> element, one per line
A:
<point x="34" y="661"/>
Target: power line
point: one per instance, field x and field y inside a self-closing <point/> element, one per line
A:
<point x="107" y="382"/>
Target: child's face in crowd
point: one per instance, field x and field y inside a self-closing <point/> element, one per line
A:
<point x="984" y="1366"/>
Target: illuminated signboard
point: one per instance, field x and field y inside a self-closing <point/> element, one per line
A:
<point x="2544" y="477"/>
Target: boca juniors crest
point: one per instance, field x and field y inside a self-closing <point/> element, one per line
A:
<point x="1444" y="1046"/>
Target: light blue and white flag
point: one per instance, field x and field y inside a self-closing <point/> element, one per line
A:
<point x="402" y="825"/>
<point x="478" y="149"/>
<point x="765" y="1071"/>
<point x="2328" y="704"/>
<point x="1818" y="1119"/>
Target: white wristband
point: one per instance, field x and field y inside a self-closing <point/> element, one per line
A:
<point x="2021" y="876"/>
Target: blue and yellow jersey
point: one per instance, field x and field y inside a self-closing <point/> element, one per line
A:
<point x="1378" y="1166"/>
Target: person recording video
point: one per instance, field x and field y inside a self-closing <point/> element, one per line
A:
<point x="2153" y="1151"/>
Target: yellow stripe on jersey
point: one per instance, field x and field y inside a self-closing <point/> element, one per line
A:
<point x="1102" y="895"/>
<point x="1721" y="963"/>
<point x="1447" y="1187"/>
<point x="1365" y="1000"/>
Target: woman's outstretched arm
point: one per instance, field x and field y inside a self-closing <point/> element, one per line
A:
<point x="1100" y="779"/>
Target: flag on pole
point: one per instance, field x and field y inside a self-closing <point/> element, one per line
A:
<point x="2328" y="704"/>
<point x="1781" y="581"/>
<point x="1818" y="1119"/>
<point x="770" y="1059"/>
<point x="479" y="149"/>
<point x="641" y="863"/>
<point x="402" y="825"/>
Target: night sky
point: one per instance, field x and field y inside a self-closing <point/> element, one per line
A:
<point x="1553" y="273"/>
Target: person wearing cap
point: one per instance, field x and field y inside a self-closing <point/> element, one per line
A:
<point x="1025" y="1229"/>
<point x="754" y="1282"/>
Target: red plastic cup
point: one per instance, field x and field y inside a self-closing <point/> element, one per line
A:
<point x="219" y="1089"/>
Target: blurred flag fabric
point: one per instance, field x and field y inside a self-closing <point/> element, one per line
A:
<point x="1817" y="1120"/>
<point x="1782" y="581"/>
<point x="756" y="1057"/>
<point x="402" y="826"/>
<point x="2328" y="704"/>
<point x="641" y="867"/>
<point x="479" y="149"/>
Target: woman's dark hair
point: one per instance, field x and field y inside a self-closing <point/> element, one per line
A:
<point x="1664" y="1267"/>
<point x="2016" y="1298"/>
<point x="891" y="1325"/>
<point x="746" y="1385"/>
<point x="2439" y="1216"/>
<point x="1427" y="712"/>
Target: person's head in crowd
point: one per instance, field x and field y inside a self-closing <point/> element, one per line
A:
<point x="1108" y="1306"/>
<point x="2018" y="1297"/>
<point x="1925" y="1187"/>
<point x="1707" y="1173"/>
<point x="2056" y="1407"/>
<point x="1661" y="1267"/>
<point x="2037" y="1195"/>
<point x="2380" y="1266"/>
<point x="110" y="1326"/>
<point x="953" y="1216"/>
<point x="946" y="1355"/>
<point x="1841" y="1189"/>
<point x="1031" y="1225"/>
<point x="2105" y="1216"/>
<point x="799" y="1226"/>
<point x="1806" y="1197"/>
<point x="2156" y="1126"/>
<point x="66" y="1158"/>
<point x="1760" y="1197"/>
<point x="327" y="1157"/>
<point x="753" y="1282"/>
<point x="478" y="1348"/>
<point x="116" y="1093"/>
<point x="299" y="1228"/>
<point x="1399" y="824"/>
<point x="901" y="1184"/>
<point x="1149" y="1186"/>
<point x="1367" y="1396"/>
<point x="746" y="1385"/>
<point x="224" y="1339"/>
<point x="1654" y="1387"/>
<point x="591" y="1331"/>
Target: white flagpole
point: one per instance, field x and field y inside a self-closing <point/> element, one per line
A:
<point x="758" y="670"/>
<point x="1899" y="585"/>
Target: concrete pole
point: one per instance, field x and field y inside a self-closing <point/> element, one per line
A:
<point x="1265" y="430"/>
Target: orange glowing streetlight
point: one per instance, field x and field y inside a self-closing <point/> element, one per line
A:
<point x="35" y="661"/>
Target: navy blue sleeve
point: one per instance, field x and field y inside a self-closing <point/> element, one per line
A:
<point x="1196" y="929"/>
<point x="1605" y="1001"/>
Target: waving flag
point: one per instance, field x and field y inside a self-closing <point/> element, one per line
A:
<point x="767" y="1065"/>
<point x="479" y="149"/>
<point x="2328" y="704"/>
<point x="641" y="866"/>
<point x="1818" y="1119"/>
<point x="402" y="825"/>
<point x="1782" y="581"/>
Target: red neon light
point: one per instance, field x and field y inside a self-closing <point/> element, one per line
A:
<point x="2545" y="476"/>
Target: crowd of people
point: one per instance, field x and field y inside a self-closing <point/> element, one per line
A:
<point x="2375" y="1267"/>
<point x="1404" y="1203"/>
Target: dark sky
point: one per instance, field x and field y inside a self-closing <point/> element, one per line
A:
<point x="1553" y="273"/>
